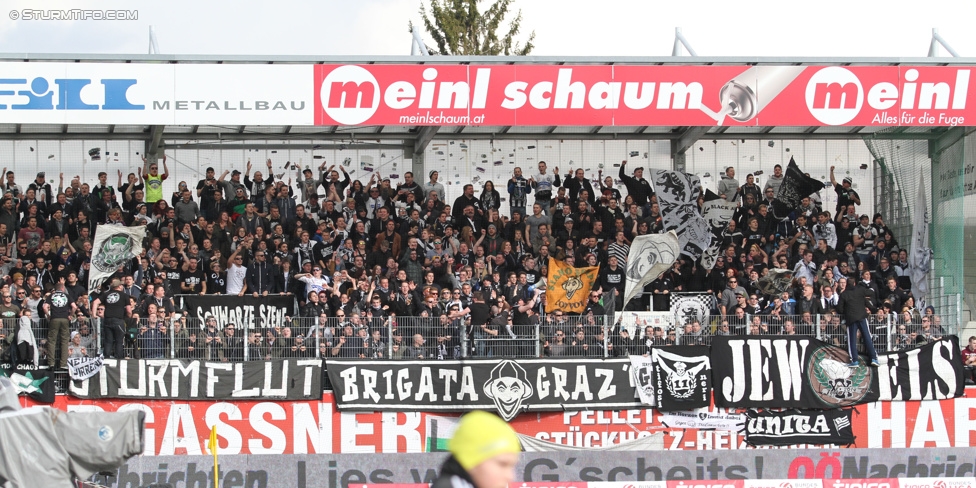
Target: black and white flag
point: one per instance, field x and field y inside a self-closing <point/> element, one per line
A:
<point x="821" y="427"/>
<point x="650" y="255"/>
<point x="683" y="377"/>
<point x="796" y="185"/>
<point x="113" y="246"/>
<point x="717" y="212"/>
<point x="677" y="195"/>
<point x="691" y="306"/>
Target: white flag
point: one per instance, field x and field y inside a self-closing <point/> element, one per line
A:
<point x="642" y="367"/>
<point x="82" y="368"/>
<point x="113" y="246"/>
<point x="920" y="255"/>
<point x="650" y="256"/>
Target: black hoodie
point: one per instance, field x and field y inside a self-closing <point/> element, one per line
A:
<point x="453" y="476"/>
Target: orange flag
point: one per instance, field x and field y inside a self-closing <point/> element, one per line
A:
<point x="567" y="288"/>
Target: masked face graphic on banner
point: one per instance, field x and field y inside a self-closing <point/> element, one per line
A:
<point x="509" y="388"/>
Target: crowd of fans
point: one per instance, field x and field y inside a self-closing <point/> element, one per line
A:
<point x="381" y="270"/>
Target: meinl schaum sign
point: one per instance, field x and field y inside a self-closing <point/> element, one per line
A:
<point x="181" y="379"/>
<point x="507" y="386"/>
<point x="535" y="94"/>
<point x="635" y="95"/>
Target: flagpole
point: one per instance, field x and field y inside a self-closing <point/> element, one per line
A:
<point x="213" y="449"/>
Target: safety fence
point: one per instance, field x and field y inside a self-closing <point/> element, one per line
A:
<point x="444" y="337"/>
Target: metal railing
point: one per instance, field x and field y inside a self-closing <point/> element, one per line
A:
<point x="440" y="338"/>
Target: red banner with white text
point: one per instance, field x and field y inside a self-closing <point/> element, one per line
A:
<point x="297" y="427"/>
<point x="629" y="95"/>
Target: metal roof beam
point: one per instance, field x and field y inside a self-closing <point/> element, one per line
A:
<point x="247" y="146"/>
<point x="155" y="137"/>
<point x="720" y="136"/>
<point x="498" y="60"/>
<point x="401" y="138"/>
<point x="688" y="138"/>
<point x="58" y="136"/>
<point x="424" y="136"/>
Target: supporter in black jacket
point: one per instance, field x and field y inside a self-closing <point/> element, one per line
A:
<point x="285" y="282"/>
<point x="856" y="303"/>
<point x="260" y="279"/>
<point x="637" y="186"/>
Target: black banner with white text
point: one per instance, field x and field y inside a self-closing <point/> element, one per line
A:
<point x="802" y="372"/>
<point x="182" y="379"/>
<point x="245" y="311"/>
<point x="507" y="386"/>
<point x="792" y="427"/>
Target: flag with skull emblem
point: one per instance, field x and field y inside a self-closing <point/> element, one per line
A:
<point x="567" y="287"/>
<point x="682" y="379"/>
<point x="113" y="246"/>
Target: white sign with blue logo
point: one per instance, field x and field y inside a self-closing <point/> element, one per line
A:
<point x="133" y="93"/>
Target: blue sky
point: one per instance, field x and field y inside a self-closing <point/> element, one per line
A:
<point x="575" y="27"/>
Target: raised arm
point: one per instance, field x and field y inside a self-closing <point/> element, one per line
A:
<point x="165" y="167"/>
<point x="482" y="238"/>
<point x="128" y="190"/>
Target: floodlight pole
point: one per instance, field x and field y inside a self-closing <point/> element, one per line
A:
<point x="152" y="146"/>
<point x="690" y="135"/>
<point x="416" y="148"/>
<point x="679" y="41"/>
<point x="417" y="47"/>
<point x="153" y="46"/>
<point x="936" y="41"/>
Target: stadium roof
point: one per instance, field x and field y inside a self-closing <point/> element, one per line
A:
<point x="388" y="136"/>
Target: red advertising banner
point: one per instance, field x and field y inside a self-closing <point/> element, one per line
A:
<point x="628" y="95"/>
<point x="316" y="427"/>
<point x="768" y="483"/>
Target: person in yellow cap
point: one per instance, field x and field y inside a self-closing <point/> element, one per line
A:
<point x="484" y="451"/>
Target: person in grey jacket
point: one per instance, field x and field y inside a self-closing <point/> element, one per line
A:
<point x="186" y="209"/>
<point x="775" y="180"/>
<point x="728" y="186"/>
<point x="434" y="186"/>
